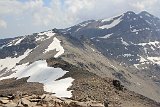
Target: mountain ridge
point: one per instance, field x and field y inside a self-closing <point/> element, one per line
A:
<point x="122" y="48"/>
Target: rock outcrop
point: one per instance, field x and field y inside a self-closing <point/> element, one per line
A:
<point x="45" y="100"/>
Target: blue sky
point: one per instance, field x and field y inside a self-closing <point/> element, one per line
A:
<point x="23" y="17"/>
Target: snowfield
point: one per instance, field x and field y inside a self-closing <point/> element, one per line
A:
<point x="55" y="45"/>
<point x="9" y="62"/>
<point x="40" y="72"/>
<point x="48" y="34"/>
<point x="114" y="23"/>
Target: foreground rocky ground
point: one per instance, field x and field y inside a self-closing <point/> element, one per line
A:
<point x="45" y="100"/>
<point x="87" y="92"/>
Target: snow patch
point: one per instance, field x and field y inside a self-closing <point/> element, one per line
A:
<point x="150" y="43"/>
<point x="9" y="62"/>
<point x="97" y="40"/>
<point x="19" y="41"/>
<point x="92" y="49"/>
<point x="78" y="29"/>
<point x="11" y="42"/>
<point x="92" y="38"/>
<point x="111" y="18"/>
<point x="135" y="30"/>
<point x="155" y="60"/>
<point x="114" y="23"/>
<point x="148" y="22"/>
<point x="136" y="65"/>
<point x="2" y="46"/>
<point x="68" y="29"/>
<point x="40" y="38"/>
<point x="48" y="33"/>
<point x="84" y="24"/>
<point x="55" y="45"/>
<point x="106" y="36"/>
<point x="127" y="55"/>
<point x="148" y="15"/>
<point x="142" y="59"/>
<point x="124" y="42"/>
<point x="40" y="72"/>
<point x="60" y="87"/>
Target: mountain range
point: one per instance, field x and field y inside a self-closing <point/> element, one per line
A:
<point x="115" y="60"/>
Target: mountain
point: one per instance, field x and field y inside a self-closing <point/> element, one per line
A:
<point x="131" y="39"/>
<point x="115" y="59"/>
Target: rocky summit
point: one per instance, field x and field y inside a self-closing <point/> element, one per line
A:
<point x="112" y="62"/>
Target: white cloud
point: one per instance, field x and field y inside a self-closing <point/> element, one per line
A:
<point x="144" y="4"/>
<point x="3" y="24"/>
<point x="33" y="15"/>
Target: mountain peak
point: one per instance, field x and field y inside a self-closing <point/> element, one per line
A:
<point x="145" y="14"/>
<point x="129" y="13"/>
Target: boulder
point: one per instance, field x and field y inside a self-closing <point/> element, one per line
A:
<point x="4" y="101"/>
<point x="26" y="103"/>
<point x="10" y="104"/>
<point x="117" y="85"/>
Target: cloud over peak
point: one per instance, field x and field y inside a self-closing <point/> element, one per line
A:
<point x="25" y="17"/>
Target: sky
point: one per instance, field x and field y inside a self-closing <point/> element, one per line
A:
<point x="24" y="17"/>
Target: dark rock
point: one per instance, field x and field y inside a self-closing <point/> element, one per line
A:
<point x="106" y="102"/>
<point x="117" y="85"/>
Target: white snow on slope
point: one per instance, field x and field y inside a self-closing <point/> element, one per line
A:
<point x="106" y="36"/>
<point x="124" y="42"/>
<point x="60" y="87"/>
<point x="84" y="24"/>
<point x="136" y="65"/>
<point x="114" y="23"/>
<point x="19" y="41"/>
<point x="40" y="38"/>
<point x="14" y="41"/>
<point x="47" y="33"/>
<point x="81" y="25"/>
<point x="111" y="18"/>
<point x="9" y="62"/>
<point x="127" y="55"/>
<point x="55" y="45"/>
<point x="11" y="43"/>
<point x="155" y="60"/>
<point x="40" y="72"/>
<point x="150" y="43"/>
<point x="2" y="46"/>
<point x="142" y="60"/>
<point x="135" y="31"/>
<point x="148" y="60"/>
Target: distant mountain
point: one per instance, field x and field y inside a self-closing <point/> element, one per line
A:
<point x="133" y="40"/>
<point x="88" y="58"/>
<point x="130" y="39"/>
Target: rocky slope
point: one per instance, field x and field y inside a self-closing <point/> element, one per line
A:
<point x="88" y="90"/>
<point x="82" y="62"/>
<point x="133" y="41"/>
